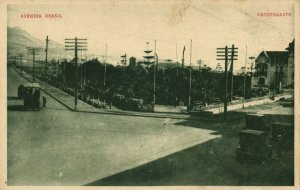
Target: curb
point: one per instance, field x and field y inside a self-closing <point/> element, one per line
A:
<point x="108" y="113"/>
<point x="189" y="117"/>
<point x="45" y="91"/>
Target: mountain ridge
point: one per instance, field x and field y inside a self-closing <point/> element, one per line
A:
<point x="19" y="40"/>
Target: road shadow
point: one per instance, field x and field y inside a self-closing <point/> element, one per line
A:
<point x="19" y="108"/>
<point x="13" y="98"/>
<point x="211" y="163"/>
<point x="16" y="108"/>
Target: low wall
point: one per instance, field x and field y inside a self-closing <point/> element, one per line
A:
<point x="248" y="104"/>
<point x="170" y="109"/>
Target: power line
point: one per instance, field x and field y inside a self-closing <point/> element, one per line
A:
<point x="190" y="86"/>
<point x="75" y="44"/>
<point x="225" y="54"/>
<point x="34" y="53"/>
<point x="46" y="58"/>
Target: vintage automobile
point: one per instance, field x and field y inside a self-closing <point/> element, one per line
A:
<point x="255" y="139"/>
<point x="259" y="141"/>
<point x="31" y="94"/>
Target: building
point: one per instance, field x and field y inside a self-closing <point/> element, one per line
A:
<point x="274" y="69"/>
<point x="132" y="61"/>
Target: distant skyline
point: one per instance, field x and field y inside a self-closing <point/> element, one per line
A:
<point x="126" y="26"/>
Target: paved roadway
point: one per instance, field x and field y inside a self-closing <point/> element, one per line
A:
<point x="56" y="146"/>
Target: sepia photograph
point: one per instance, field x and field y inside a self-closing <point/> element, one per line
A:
<point x="150" y="93"/>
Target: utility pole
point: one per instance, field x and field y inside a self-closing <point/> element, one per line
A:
<point x="222" y="54"/>
<point x="190" y="89"/>
<point x="75" y="44"/>
<point x="251" y="69"/>
<point x="33" y="66"/>
<point x="231" y="71"/>
<point x="177" y="79"/>
<point x="56" y="70"/>
<point x="84" y="68"/>
<point x="104" y="80"/>
<point x="46" y="59"/>
<point x="231" y="80"/>
<point x="81" y="70"/>
<point x="64" y="74"/>
<point x="33" y="51"/>
<point x="104" y="77"/>
<point x="177" y="61"/>
<point x="245" y="79"/>
<point x="183" y="57"/>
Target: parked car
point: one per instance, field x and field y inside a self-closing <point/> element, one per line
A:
<point x="259" y="141"/>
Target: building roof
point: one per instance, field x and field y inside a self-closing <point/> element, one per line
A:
<point x="274" y="56"/>
<point x="291" y="46"/>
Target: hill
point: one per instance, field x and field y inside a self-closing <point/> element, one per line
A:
<point x="18" y="40"/>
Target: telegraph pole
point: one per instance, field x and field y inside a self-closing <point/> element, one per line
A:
<point x="33" y="51"/>
<point x="222" y="54"/>
<point x="33" y="66"/>
<point x="177" y="61"/>
<point x="231" y="80"/>
<point x="183" y="56"/>
<point x="46" y="59"/>
<point x="245" y="79"/>
<point x="104" y="80"/>
<point x="231" y="71"/>
<point x="84" y="68"/>
<point x="104" y="77"/>
<point x="75" y="44"/>
<point x="190" y="89"/>
<point x="177" y="78"/>
<point x="81" y="70"/>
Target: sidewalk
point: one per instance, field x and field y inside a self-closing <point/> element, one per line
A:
<point x="68" y="101"/>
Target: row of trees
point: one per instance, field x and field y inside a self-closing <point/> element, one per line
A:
<point x="172" y="84"/>
<point x="136" y="82"/>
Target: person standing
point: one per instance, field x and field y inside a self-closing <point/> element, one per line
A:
<point x="44" y="102"/>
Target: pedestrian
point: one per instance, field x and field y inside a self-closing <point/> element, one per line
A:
<point x="44" y="101"/>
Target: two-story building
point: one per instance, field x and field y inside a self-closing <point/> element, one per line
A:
<point x="274" y="69"/>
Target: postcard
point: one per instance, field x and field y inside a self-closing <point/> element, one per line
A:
<point x="170" y="94"/>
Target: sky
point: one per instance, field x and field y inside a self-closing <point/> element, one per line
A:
<point x="126" y="26"/>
